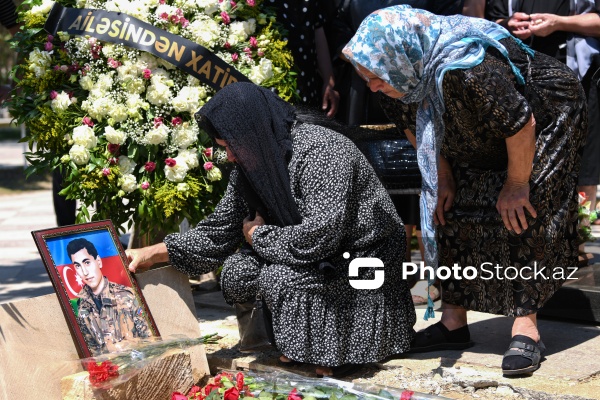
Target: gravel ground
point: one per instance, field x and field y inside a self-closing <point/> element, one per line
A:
<point x="432" y="377"/>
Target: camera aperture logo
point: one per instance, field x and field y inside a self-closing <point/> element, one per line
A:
<point x="365" y="262"/>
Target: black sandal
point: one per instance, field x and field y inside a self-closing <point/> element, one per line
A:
<point x="526" y="349"/>
<point x="438" y="337"/>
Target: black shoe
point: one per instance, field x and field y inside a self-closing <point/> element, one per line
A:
<point x="438" y="337"/>
<point x="523" y="356"/>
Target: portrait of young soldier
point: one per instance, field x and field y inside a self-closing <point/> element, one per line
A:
<point x="108" y="313"/>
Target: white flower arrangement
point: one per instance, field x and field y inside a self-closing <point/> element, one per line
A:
<point x="119" y="121"/>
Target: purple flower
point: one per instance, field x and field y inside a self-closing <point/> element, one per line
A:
<point x="177" y="121"/>
<point x="251" y="3"/>
<point x="170" y="162"/>
<point x="145" y="185"/>
<point x="53" y="94"/>
<point x="48" y="46"/>
<point x="208" y="166"/>
<point x="253" y="41"/>
<point x="147" y="73"/>
<point x="106" y="171"/>
<point x="234" y="57"/>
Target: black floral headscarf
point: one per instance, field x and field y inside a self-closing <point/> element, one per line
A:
<point x="256" y="125"/>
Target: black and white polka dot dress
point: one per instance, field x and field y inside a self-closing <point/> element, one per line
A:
<point x="300" y="18"/>
<point x="317" y="316"/>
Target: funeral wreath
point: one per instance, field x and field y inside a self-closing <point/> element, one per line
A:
<point x="109" y="99"/>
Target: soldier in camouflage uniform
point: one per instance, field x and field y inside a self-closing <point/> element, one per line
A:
<point x="108" y="313"/>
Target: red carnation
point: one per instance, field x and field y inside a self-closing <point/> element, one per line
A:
<point x="150" y="166"/>
<point x="225" y="17"/>
<point x="407" y="395"/>
<point x="293" y="395"/>
<point x="87" y="121"/>
<point x="209" y="388"/>
<point x="232" y="394"/>
<point x="100" y="372"/>
<point x="239" y="381"/>
<point x="195" y="389"/>
<point x="113" y="148"/>
<point x="170" y="162"/>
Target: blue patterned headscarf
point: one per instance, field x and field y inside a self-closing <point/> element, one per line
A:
<point x="411" y="50"/>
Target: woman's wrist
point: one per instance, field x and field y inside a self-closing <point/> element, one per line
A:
<point x="159" y="253"/>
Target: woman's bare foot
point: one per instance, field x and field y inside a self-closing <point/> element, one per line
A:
<point x="325" y="371"/>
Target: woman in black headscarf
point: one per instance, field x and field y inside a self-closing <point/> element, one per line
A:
<point x="307" y="202"/>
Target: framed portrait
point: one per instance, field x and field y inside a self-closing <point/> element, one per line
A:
<point x="102" y="302"/>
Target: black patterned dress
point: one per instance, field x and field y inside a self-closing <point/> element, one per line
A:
<point x="317" y="316"/>
<point x="484" y="106"/>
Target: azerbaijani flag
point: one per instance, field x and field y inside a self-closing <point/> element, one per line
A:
<point x="112" y="265"/>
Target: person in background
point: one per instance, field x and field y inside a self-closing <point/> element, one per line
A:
<point x="8" y="19"/>
<point x="304" y="19"/>
<point x="302" y="203"/>
<point x="474" y="8"/>
<point x="499" y="130"/>
<point x="65" y="210"/>
<point x="568" y="30"/>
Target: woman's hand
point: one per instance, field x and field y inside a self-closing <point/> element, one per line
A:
<point x="513" y="200"/>
<point x="331" y="100"/>
<point x="250" y="225"/>
<point x="544" y="24"/>
<point x="141" y="260"/>
<point x="518" y="24"/>
<point x="446" y="191"/>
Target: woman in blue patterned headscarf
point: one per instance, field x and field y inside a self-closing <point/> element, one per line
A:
<point x="498" y="131"/>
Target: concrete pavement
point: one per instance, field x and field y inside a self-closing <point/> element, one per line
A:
<point x="571" y="368"/>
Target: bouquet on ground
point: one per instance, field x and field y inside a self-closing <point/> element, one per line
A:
<point x="281" y="385"/>
<point x="109" y="370"/>
<point x="119" y="121"/>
